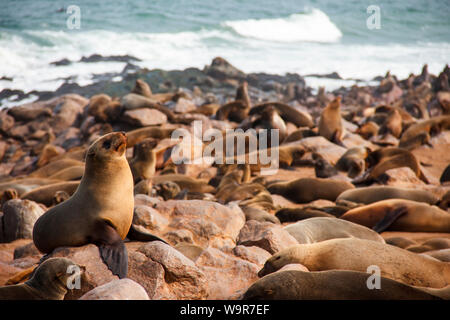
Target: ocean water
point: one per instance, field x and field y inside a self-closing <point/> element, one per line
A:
<point x="307" y="37"/>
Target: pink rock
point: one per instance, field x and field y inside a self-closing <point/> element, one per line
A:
<point x="226" y="274"/>
<point x="19" y="217"/>
<point x="123" y="289"/>
<point x="144" y="117"/>
<point x="266" y="235"/>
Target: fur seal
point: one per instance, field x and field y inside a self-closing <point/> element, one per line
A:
<point x="329" y="285"/>
<point x="267" y="119"/>
<point x="323" y="228"/>
<point x="103" y="108"/>
<point x="368" y="130"/>
<point x="400" y="215"/>
<point x="101" y="209"/>
<point x="392" y="124"/>
<point x="236" y="110"/>
<point x="45" y="194"/>
<point x="297" y="214"/>
<point x="71" y="173"/>
<point x="367" y="195"/>
<point x="260" y="215"/>
<point x="141" y="87"/>
<point x="184" y="182"/>
<point x="330" y="123"/>
<point x="322" y="168"/>
<point x="305" y="190"/>
<point x="143" y="163"/>
<point x="353" y="161"/>
<point x="357" y="255"/>
<point x="299" y="134"/>
<point x="53" y="167"/>
<point x="385" y="159"/>
<point x="134" y="101"/>
<point x="135" y="136"/>
<point x="287" y="113"/>
<point x="49" y="282"/>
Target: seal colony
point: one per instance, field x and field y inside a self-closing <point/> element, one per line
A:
<point x="362" y="181"/>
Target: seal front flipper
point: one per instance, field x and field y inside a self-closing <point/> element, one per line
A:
<point x="389" y="219"/>
<point x="112" y="249"/>
<point x="140" y="235"/>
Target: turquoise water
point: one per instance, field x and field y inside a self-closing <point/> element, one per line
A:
<point x="306" y="37"/>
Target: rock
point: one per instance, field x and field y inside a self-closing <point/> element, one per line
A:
<point x="210" y="223"/>
<point x="145" y="200"/>
<point x="28" y="112"/>
<point x="144" y="117"/>
<point x="96" y="273"/>
<point x="222" y="69"/>
<point x="149" y="218"/>
<point x="328" y="150"/>
<point x="68" y="138"/>
<point x="19" y="217"/>
<point x="253" y="254"/>
<point x="265" y="235"/>
<point x="6" y="122"/>
<point x="226" y="274"/>
<point x="403" y="177"/>
<point x="166" y="273"/>
<point x="122" y="289"/>
<point x="184" y="105"/>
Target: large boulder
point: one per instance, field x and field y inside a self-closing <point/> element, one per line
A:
<point x="166" y="273"/>
<point x="227" y="275"/>
<point x="123" y="289"/>
<point x="18" y="220"/>
<point x="266" y="235"/>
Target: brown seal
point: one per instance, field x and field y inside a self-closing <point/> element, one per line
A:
<point x="101" y="209"/>
<point x="71" y="173"/>
<point x="135" y="136"/>
<point x="287" y="113"/>
<point x="330" y="123"/>
<point x="45" y="194"/>
<point x="353" y="161"/>
<point x="143" y="163"/>
<point x="305" y="190"/>
<point x="358" y="254"/>
<point x="49" y="282"/>
<point x="367" y="195"/>
<point x="330" y="285"/>
<point x="400" y="215"/>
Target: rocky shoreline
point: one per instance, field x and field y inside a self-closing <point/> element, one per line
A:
<point x="223" y="223"/>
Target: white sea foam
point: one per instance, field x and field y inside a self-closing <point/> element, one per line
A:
<point x="314" y="26"/>
<point x="28" y="63"/>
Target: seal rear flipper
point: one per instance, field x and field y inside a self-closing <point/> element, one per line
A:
<point x="112" y="249"/>
<point x="389" y="219"/>
<point x="139" y="235"/>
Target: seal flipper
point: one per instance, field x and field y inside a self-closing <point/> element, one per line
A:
<point x="389" y="219"/>
<point x="112" y="249"/>
<point x="139" y="235"/>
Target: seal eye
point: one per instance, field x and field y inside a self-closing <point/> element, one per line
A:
<point x="107" y="144"/>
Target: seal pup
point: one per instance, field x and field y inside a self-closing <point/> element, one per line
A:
<point x="330" y="123"/>
<point x="49" y="282"/>
<point x="101" y="209"/>
<point x="143" y="163"/>
<point x="330" y="285"/>
<point x="357" y="255"/>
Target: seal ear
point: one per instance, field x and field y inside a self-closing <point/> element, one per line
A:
<point x="112" y="249"/>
